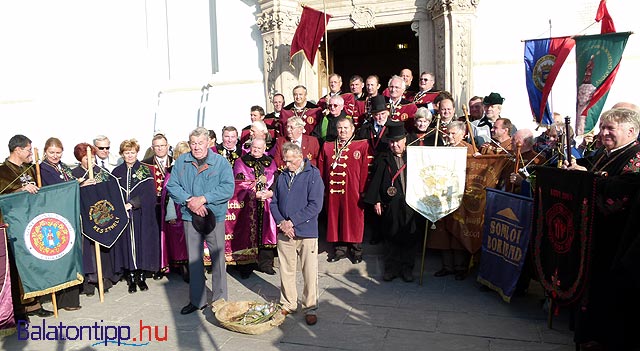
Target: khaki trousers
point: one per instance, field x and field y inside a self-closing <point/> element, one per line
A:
<point x="289" y="252"/>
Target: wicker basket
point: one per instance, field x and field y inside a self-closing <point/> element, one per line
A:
<point x="227" y="312"/>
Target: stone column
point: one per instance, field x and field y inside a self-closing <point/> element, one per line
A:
<point x="277" y="21"/>
<point x="453" y="22"/>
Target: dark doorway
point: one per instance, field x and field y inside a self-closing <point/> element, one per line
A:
<point x="382" y="51"/>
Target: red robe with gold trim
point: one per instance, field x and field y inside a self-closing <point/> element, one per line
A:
<point x="310" y="116"/>
<point x="345" y="180"/>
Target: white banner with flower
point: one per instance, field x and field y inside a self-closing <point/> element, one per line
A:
<point x="435" y="179"/>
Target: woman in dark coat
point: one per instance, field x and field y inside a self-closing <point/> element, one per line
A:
<point x="52" y="171"/>
<point x="138" y="248"/>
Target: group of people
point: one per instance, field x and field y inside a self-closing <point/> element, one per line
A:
<point x="342" y="160"/>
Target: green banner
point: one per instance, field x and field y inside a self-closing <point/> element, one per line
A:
<point x="44" y="231"/>
<point x="597" y="60"/>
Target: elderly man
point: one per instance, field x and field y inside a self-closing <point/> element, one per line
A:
<point x="482" y="127"/>
<point x="407" y="77"/>
<point x="260" y="168"/>
<point x="455" y="136"/>
<point x="104" y="158"/>
<point x="344" y="165"/>
<point x="202" y="182"/>
<point x="610" y="315"/>
<point x="309" y="145"/>
<point x="326" y="130"/>
<point x="374" y="131"/>
<point x="401" y="109"/>
<point x="302" y="108"/>
<point x="17" y="173"/>
<point x="386" y="193"/>
<point x="296" y="204"/>
<point x="229" y="148"/>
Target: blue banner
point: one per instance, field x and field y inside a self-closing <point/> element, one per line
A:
<point x="507" y="229"/>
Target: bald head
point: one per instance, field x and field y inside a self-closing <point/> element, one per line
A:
<point x="524" y="138"/>
<point x="628" y="105"/>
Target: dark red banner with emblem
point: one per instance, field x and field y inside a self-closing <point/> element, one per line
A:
<point x="241" y="227"/>
<point x="562" y="231"/>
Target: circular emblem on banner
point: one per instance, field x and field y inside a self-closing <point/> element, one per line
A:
<point x="404" y="116"/>
<point x="101" y="213"/>
<point x="49" y="236"/>
<point x="357" y="155"/>
<point x="560" y="228"/>
<point x="310" y="120"/>
<point x="541" y="70"/>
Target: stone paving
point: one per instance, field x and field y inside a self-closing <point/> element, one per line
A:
<point x="358" y="311"/>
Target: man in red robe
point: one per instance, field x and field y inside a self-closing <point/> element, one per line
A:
<point x="344" y="165"/>
<point x="401" y="109"/>
<point x="295" y="134"/>
<point x="302" y="108"/>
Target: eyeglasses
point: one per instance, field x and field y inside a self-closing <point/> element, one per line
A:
<point x="159" y="146"/>
<point x="424" y="79"/>
<point x="334" y="105"/>
<point x="103" y="147"/>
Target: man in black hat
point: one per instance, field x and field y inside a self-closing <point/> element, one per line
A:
<point x="482" y="128"/>
<point x="375" y="128"/>
<point x="387" y="195"/>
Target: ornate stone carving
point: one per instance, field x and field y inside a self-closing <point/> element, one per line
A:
<point x="362" y="17"/>
<point x="268" y="54"/>
<point x="462" y="52"/>
<point x="438" y="7"/>
<point x="415" y="27"/>
<point x="269" y="21"/>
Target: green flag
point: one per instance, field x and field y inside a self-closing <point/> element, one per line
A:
<point x="597" y="61"/>
<point x="45" y="236"/>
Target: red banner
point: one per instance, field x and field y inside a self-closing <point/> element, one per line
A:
<point x="241" y="229"/>
<point x="309" y="33"/>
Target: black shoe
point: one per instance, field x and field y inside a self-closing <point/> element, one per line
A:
<point x="336" y="258"/>
<point x="40" y="312"/>
<point x="443" y="272"/>
<point x="388" y="276"/>
<point x="131" y="282"/>
<point x="268" y="270"/>
<point x="461" y="275"/>
<point x="407" y="275"/>
<point x="141" y="281"/>
<point x="356" y="259"/>
<point x="208" y="269"/>
<point x="157" y="276"/>
<point x="190" y="308"/>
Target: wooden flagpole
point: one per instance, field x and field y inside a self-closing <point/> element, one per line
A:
<point x="39" y="183"/>
<point x="95" y="243"/>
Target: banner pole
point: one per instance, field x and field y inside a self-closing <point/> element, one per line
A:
<point x="95" y="243"/>
<point x="39" y="183"/>
<point x="424" y="251"/>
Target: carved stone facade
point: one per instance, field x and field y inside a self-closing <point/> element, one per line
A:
<point x="443" y="26"/>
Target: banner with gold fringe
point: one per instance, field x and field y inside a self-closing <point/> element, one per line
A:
<point x="44" y="231"/>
